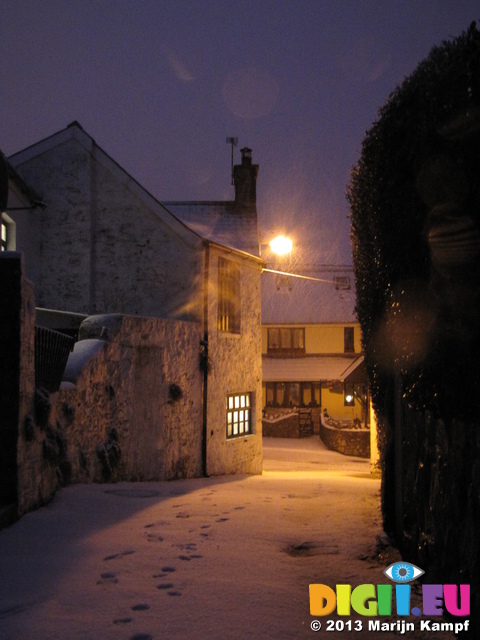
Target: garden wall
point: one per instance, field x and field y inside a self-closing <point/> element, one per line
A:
<point x="131" y="409"/>
<point x="285" y="426"/>
<point x="350" y="442"/>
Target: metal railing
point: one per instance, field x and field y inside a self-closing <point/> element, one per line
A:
<point x="51" y="354"/>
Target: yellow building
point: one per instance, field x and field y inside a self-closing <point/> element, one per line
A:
<point x="311" y="345"/>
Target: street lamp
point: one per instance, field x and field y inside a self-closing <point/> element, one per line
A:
<point x="281" y="245"/>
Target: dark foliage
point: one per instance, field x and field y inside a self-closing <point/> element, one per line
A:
<point x="415" y="208"/>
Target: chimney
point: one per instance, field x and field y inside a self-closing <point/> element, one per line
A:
<point x="245" y="181"/>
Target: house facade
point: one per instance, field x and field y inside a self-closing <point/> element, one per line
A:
<point x="311" y="344"/>
<point x="96" y="244"/>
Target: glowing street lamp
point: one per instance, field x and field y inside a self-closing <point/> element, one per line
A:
<point x="281" y="245"/>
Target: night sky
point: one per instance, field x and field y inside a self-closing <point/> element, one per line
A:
<point x="160" y="84"/>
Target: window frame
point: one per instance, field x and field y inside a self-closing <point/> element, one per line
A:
<point x="283" y="389"/>
<point x="229" y="297"/>
<point x="349" y="339"/>
<point x="239" y="413"/>
<point x="284" y="337"/>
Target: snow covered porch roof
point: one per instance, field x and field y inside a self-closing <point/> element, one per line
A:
<point x="310" y="369"/>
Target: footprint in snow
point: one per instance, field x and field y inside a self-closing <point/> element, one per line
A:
<point x="151" y="537"/>
<point x="141" y="606"/>
<point x="107" y="577"/>
<point x="114" y="556"/>
<point x="165" y="585"/>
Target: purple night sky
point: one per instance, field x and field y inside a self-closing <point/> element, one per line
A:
<point x="160" y="84"/>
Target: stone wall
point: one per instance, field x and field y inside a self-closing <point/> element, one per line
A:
<point x="286" y="426"/>
<point x="102" y="243"/>
<point x="236" y="367"/>
<point x="132" y="410"/>
<point x="350" y="442"/>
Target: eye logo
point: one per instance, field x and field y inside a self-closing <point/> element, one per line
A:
<point x="403" y="572"/>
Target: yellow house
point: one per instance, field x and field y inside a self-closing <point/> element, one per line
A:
<point x="311" y="345"/>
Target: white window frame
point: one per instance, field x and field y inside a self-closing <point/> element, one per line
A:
<point x="239" y="415"/>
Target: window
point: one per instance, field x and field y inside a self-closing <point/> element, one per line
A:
<point x="286" y="340"/>
<point x="228" y="318"/>
<point x="3" y="238"/>
<point x="349" y="339"/>
<point x="293" y="394"/>
<point x="342" y="283"/>
<point x="239" y="415"/>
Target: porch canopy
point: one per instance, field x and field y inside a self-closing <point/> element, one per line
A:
<point x="312" y="369"/>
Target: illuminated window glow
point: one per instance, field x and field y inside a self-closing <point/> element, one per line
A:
<point x="3" y="238"/>
<point x="239" y="419"/>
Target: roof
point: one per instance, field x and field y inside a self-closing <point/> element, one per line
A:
<point x="219" y="221"/>
<point x="225" y="225"/>
<point x="309" y="369"/>
<point x="322" y="299"/>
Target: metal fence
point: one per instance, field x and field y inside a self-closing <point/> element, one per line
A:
<point x="51" y="354"/>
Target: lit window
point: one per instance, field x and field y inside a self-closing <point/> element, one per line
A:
<point x="239" y="415"/>
<point x="228" y="318"/>
<point x="3" y="239"/>
<point x="293" y="394"/>
<point x="286" y="340"/>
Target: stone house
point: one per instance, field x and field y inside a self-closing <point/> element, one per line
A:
<point x="311" y="345"/>
<point x="160" y="300"/>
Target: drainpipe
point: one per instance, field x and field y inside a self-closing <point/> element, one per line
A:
<point x="204" y="344"/>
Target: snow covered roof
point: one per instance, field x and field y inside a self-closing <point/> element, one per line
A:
<point x="307" y="369"/>
<point x="328" y="298"/>
<point x="219" y="221"/>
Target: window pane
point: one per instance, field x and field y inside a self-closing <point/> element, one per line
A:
<point x="298" y="338"/>
<point x="273" y="338"/>
<point x="228" y="317"/>
<point x="349" y="339"/>
<point x="238" y="415"/>
<point x="270" y="393"/>
<point x="286" y="338"/>
<point x="294" y="394"/>
<point x="307" y="394"/>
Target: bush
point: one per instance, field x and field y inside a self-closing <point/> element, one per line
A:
<point x="415" y="207"/>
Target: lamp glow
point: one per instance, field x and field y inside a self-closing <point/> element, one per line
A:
<point x="281" y="245"/>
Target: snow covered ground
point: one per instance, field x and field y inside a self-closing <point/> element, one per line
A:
<point x="217" y="558"/>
